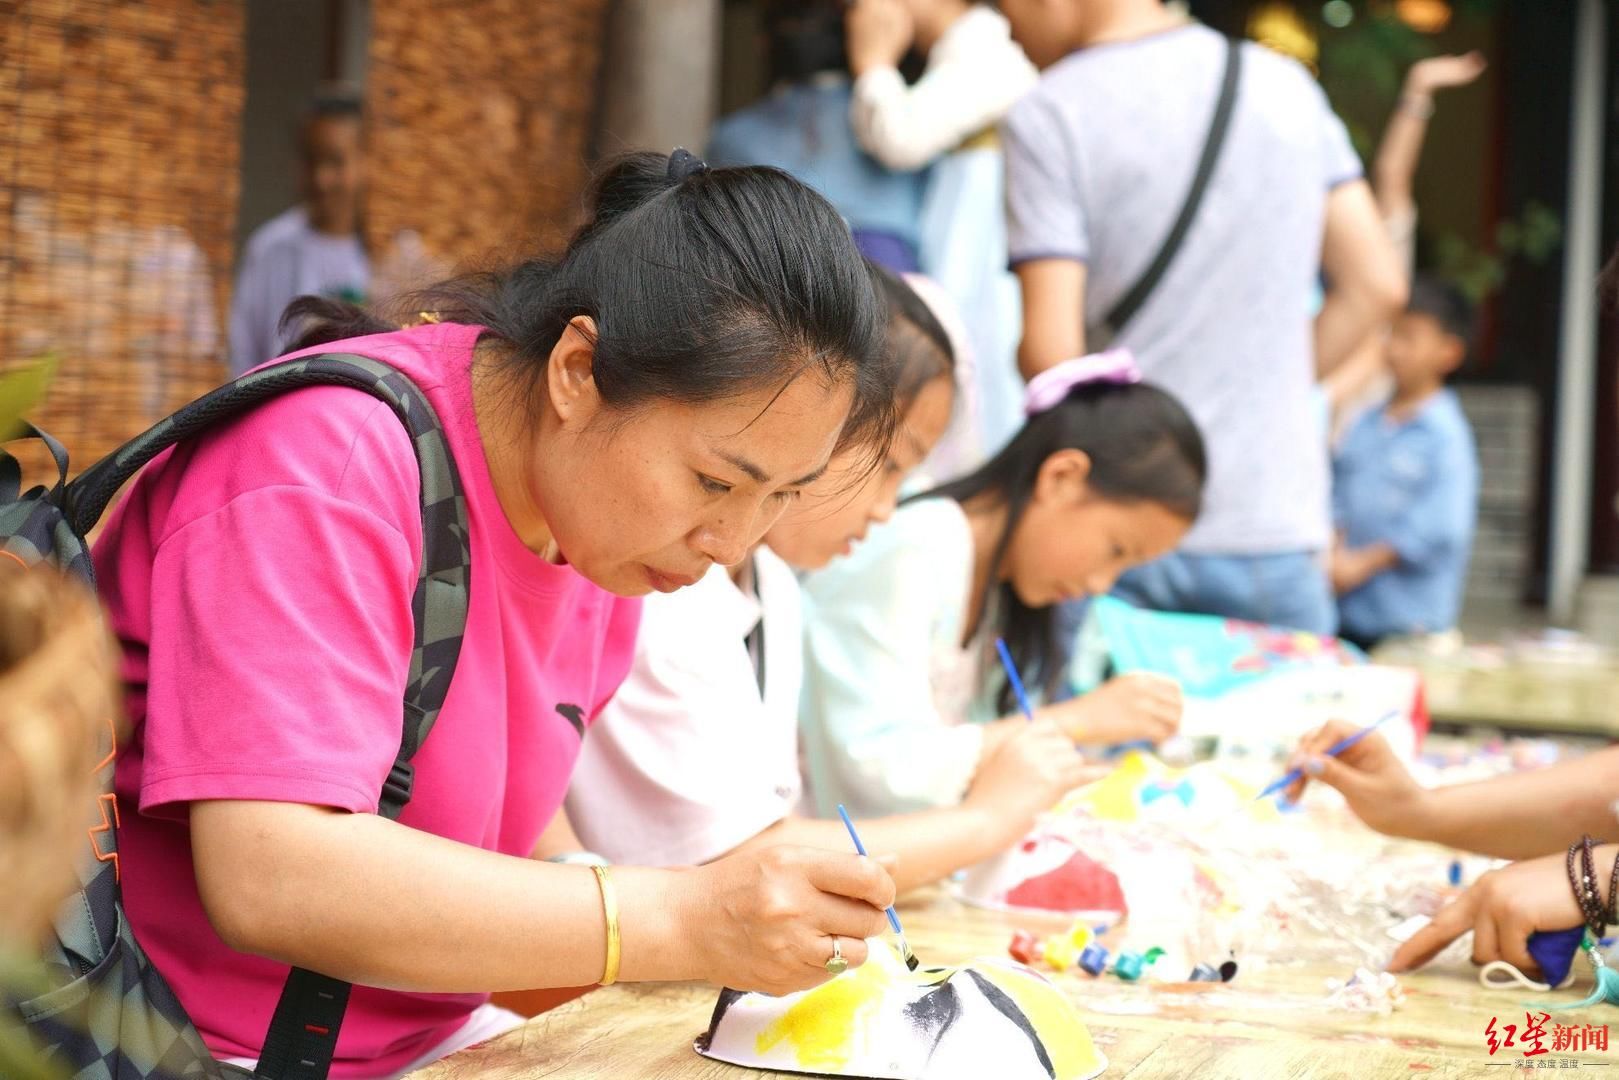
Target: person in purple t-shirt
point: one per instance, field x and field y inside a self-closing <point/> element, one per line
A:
<point x="313" y="248"/>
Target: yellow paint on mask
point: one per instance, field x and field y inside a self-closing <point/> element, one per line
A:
<point x="1056" y="1022"/>
<point x="824" y="1025"/>
<point x="1115" y="797"/>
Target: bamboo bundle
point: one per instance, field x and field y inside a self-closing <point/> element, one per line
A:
<point x="480" y="117"/>
<point x="118" y="188"/>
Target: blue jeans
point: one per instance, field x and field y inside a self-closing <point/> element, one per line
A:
<point x="1289" y="589"/>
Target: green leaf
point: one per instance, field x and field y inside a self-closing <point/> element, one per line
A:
<point x="21" y="389"/>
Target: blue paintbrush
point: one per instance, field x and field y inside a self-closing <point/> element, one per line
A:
<point x="893" y="920"/>
<point x="1013" y="678"/>
<point x="1334" y="750"/>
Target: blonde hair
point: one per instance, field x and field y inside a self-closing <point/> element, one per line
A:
<point x="58" y="728"/>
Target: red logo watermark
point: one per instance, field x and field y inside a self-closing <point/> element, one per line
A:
<point x="1539" y="1036"/>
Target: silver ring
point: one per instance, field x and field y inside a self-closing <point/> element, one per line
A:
<point x="837" y="965"/>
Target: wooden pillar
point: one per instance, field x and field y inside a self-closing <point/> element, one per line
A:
<point x="480" y="115"/>
<point x="660" y="84"/>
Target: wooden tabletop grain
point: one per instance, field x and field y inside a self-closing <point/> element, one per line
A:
<point x="1273" y="1022"/>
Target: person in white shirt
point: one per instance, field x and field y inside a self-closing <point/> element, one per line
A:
<point x="946" y="122"/>
<point x="974" y="73"/>
<point x="312" y="249"/>
<point x="697" y="754"/>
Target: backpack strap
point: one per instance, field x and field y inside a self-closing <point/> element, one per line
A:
<point x="1131" y="302"/>
<point x="303" y="1030"/>
<point x="11" y="472"/>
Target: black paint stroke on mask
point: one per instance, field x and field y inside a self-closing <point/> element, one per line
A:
<point x="1008" y="1008"/>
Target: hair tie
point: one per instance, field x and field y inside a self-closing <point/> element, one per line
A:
<point x="684" y="163"/>
<point x="1046" y="390"/>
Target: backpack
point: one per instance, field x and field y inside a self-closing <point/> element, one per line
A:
<point x="105" y="1012"/>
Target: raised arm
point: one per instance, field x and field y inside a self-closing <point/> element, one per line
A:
<point x="968" y="86"/>
<point x="1401" y="148"/>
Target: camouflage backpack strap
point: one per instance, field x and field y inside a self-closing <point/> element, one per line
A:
<point x="303" y="1030"/>
<point x="32" y="528"/>
<point x="440" y="601"/>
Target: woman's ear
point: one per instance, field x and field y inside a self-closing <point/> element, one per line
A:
<point x="1063" y="478"/>
<point x="570" y="379"/>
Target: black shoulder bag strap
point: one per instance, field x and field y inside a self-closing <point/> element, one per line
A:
<point x="303" y="1030"/>
<point x="1131" y="302"/>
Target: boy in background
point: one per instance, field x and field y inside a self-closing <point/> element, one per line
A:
<point x="1405" y="483"/>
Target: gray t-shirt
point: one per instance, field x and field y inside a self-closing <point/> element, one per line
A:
<point x="1099" y="158"/>
<point x="287" y="258"/>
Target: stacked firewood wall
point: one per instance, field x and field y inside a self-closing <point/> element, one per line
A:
<point x="480" y="119"/>
<point x="119" y="130"/>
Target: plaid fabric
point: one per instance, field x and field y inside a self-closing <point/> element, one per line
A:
<point x="104" y="1013"/>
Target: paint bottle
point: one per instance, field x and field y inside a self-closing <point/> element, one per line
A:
<point x="1060" y="952"/>
<point x="1025" y="947"/>
<point x="1093" y="959"/>
<point x="1127" y="966"/>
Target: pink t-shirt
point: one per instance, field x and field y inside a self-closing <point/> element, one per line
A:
<point x="260" y="580"/>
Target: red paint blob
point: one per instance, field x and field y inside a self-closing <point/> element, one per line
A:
<point x="1080" y="884"/>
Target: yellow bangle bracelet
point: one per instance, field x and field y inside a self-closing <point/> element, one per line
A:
<point x="610" y="913"/>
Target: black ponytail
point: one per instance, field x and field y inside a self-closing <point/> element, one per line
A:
<point x="1143" y="447"/>
<point x="702" y="283"/>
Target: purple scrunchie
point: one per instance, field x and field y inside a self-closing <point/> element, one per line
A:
<point x="1051" y="386"/>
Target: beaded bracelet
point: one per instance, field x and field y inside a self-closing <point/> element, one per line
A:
<point x="1613" y="894"/>
<point x="1587" y="893"/>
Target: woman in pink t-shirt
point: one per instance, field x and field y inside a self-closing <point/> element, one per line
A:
<point x="622" y="417"/>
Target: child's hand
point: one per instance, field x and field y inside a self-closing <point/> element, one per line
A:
<point x="1443" y="73"/>
<point x="1502" y="909"/>
<point x="1353" y="567"/>
<point x="1126" y="708"/>
<point x="1371" y="778"/>
<point x="763" y="920"/>
<point x="1342" y="569"/>
<point x="1029" y="772"/>
<point x="879" y="32"/>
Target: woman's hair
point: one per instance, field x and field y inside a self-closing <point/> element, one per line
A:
<point x="702" y="283"/>
<point x="919" y="345"/>
<point x="1143" y="447"/>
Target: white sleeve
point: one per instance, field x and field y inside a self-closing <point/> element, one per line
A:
<point x="672" y="772"/>
<point x="868" y="705"/>
<point x="906" y="127"/>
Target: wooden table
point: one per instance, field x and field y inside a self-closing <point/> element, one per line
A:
<point x="1516" y="694"/>
<point x="1268" y="1023"/>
